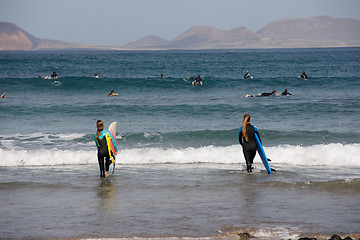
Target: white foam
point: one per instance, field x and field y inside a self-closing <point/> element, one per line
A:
<point x="275" y="233"/>
<point x="53" y="157"/>
<point x="316" y="155"/>
<point x="209" y="154"/>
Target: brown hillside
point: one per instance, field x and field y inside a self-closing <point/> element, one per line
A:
<point x="209" y="37"/>
<point x="14" y="38"/>
<point x="147" y="42"/>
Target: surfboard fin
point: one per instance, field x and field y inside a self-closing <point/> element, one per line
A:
<point x="273" y="170"/>
<point x="269" y="160"/>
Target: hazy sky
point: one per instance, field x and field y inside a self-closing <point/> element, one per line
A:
<point x="117" y="22"/>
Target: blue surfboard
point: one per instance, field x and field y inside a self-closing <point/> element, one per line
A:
<point x="262" y="154"/>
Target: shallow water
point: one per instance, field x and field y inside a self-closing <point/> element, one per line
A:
<point x="174" y="200"/>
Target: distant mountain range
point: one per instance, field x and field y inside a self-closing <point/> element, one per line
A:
<point x="313" y="32"/>
<point x="322" y="31"/>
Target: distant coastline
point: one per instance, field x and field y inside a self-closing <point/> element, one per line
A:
<point x="315" y="32"/>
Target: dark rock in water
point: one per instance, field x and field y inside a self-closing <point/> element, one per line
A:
<point x="335" y="237"/>
<point x="306" y="238"/>
<point x="348" y="238"/>
<point x="244" y="236"/>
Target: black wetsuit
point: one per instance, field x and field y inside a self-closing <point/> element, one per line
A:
<point x="286" y="93"/>
<point x="198" y="79"/>
<point x="103" y="156"/>
<point x="304" y="76"/>
<point x="249" y="147"/>
<point x="247" y="75"/>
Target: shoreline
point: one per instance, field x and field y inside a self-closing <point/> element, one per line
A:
<point x="238" y="235"/>
<point x="234" y="233"/>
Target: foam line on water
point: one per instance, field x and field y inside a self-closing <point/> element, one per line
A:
<point x="316" y="155"/>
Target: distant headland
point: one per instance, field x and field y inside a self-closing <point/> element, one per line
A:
<point x="315" y="32"/>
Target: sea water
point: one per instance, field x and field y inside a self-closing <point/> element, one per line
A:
<point x="180" y="170"/>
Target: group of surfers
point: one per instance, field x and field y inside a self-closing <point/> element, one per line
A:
<point x="199" y="80"/>
<point x="267" y="94"/>
<point x="302" y="76"/>
<point x="55" y="75"/>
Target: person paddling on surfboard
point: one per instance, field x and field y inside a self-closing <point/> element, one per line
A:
<point x="285" y="93"/>
<point x="112" y="93"/>
<point x="197" y="79"/>
<point x="247" y="141"/>
<point x="266" y="94"/>
<point x="54" y="75"/>
<point x="105" y="155"/>
<point x="247" y="74"/>
<point x="303" y="75"/>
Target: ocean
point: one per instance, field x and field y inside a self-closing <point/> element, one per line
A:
<point x="180" y="170"/>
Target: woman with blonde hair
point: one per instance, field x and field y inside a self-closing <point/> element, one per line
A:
<point x="102" y="139"/>
<point x="247" y="141"/>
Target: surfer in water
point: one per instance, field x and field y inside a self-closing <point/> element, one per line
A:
<point x="247" y="75"/>
<point x="285" y="93"/>
<point x="247" y="141"/>
<point x="197" y="79"/>
<point x="105" y="155"/>
<point x="54" y="75"/>
<point x="265" y="94"/>
<point x="112" y="93"/>
<point x="303" y="75"/>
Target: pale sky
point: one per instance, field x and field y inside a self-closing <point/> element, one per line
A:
<point x="118" y="22"/>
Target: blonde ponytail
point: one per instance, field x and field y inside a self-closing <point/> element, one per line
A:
<point x="100" y="127"/>
<point x="246" y="121"/>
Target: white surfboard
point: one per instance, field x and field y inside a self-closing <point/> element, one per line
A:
<point x="112" y="129"/>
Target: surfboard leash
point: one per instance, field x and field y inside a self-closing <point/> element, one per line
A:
<point x="113" y="168"/>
